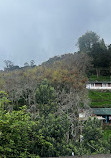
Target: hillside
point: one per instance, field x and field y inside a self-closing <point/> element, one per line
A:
<point x="100" y="98"/>
<point x="99" y="78"/>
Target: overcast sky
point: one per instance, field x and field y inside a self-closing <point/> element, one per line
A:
<point x="40" y="29"/>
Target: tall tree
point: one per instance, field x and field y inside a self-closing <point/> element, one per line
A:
<point x="101" y="56"/>
<point x="93" y="137"/>
<point x="86" y="41"/>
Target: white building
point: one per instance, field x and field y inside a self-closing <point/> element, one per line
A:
<point x="85" y="115"/>
<point x="98" y="85"/>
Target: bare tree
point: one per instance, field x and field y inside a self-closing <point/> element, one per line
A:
<point x="32" y="62"/>
<point x="8" y="64"/>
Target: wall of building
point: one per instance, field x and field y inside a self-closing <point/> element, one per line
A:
<point x="98" y="86"/>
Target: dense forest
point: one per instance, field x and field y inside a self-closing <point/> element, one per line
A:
<point x="99" y="52"/>
<point x="40" y="105"/>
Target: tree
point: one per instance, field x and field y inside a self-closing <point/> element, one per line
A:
<point x="102" y="44"/>
<point x="86" y="41"/>
<point x="100" y="55"/>
<point x="45" y="93"/>
<point x="109" y="52"/>
<point x="93" y="137"/>
<point x="32" y="62"/>
<point x="9" y="64"/>
<point x="26" y="64"/>
<point x="19" y="135"/>
<point x="54" y="130"/>
<point x="46" y="98"/>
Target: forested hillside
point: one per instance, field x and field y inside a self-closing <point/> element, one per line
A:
<point x="100" y="53"/>
<point x="53" y="94"/>
<point x="55" y="78"/>
<point x="40" y="105"/>
<point x="100" y="66"/>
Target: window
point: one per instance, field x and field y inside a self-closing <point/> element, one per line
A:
<point x="92" y="84"/>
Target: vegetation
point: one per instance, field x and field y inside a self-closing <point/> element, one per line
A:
<point x="46" y="134"/>
<point x="100" y="98"/>
<point x="99" y="78"/>
<point x="86" y="41"/>
<point x="91" y="44"/>
<point x="52" y="94"/>
<point x="93" y="137"/>
<point x="40" y="105"/>
<point x="107" y="134"/>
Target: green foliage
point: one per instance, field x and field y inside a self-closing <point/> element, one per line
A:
<point x="107" y="134"/>
<point x="86" y="41"/>
<point x="46" y="98"/>
<point x="49" y="133"/>
<point x="45" y="93"/>
<point x="97" y="50"/>
<point x="93" y="127"/>
<point x="54" y="130"/>
<point x="100" y="55"/>
<point x="93" y="137"/>
<point x="14" y="129"/>
<point x="99" y="78"/>
<point x="100" y="98"/>
<point x="45" y="136"/>
<point x="4" y="102"/>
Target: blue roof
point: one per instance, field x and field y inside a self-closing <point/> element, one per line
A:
<point x="102" y="111"/>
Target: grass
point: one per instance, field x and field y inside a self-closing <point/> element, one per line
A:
<point x="106" y="134"/>
<point x="100" y="98"/>
<point x="100" y="78"/>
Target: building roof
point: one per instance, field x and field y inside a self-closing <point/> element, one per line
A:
<point x="102" y="111"/>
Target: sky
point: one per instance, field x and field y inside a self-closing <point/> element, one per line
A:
<point x="40" y="29"/>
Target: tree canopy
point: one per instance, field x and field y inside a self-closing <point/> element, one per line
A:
<point x="86" y="41"/>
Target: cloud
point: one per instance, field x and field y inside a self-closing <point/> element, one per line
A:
<point x="40" y="29"/>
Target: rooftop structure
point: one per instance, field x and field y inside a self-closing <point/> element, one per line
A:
<point x="104" y="112"/>
<point x="99" y="85"/>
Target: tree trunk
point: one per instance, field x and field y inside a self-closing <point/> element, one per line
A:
<point x="97" y="72"/>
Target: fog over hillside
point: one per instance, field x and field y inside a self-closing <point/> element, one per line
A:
<point x="40" y="29"/>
